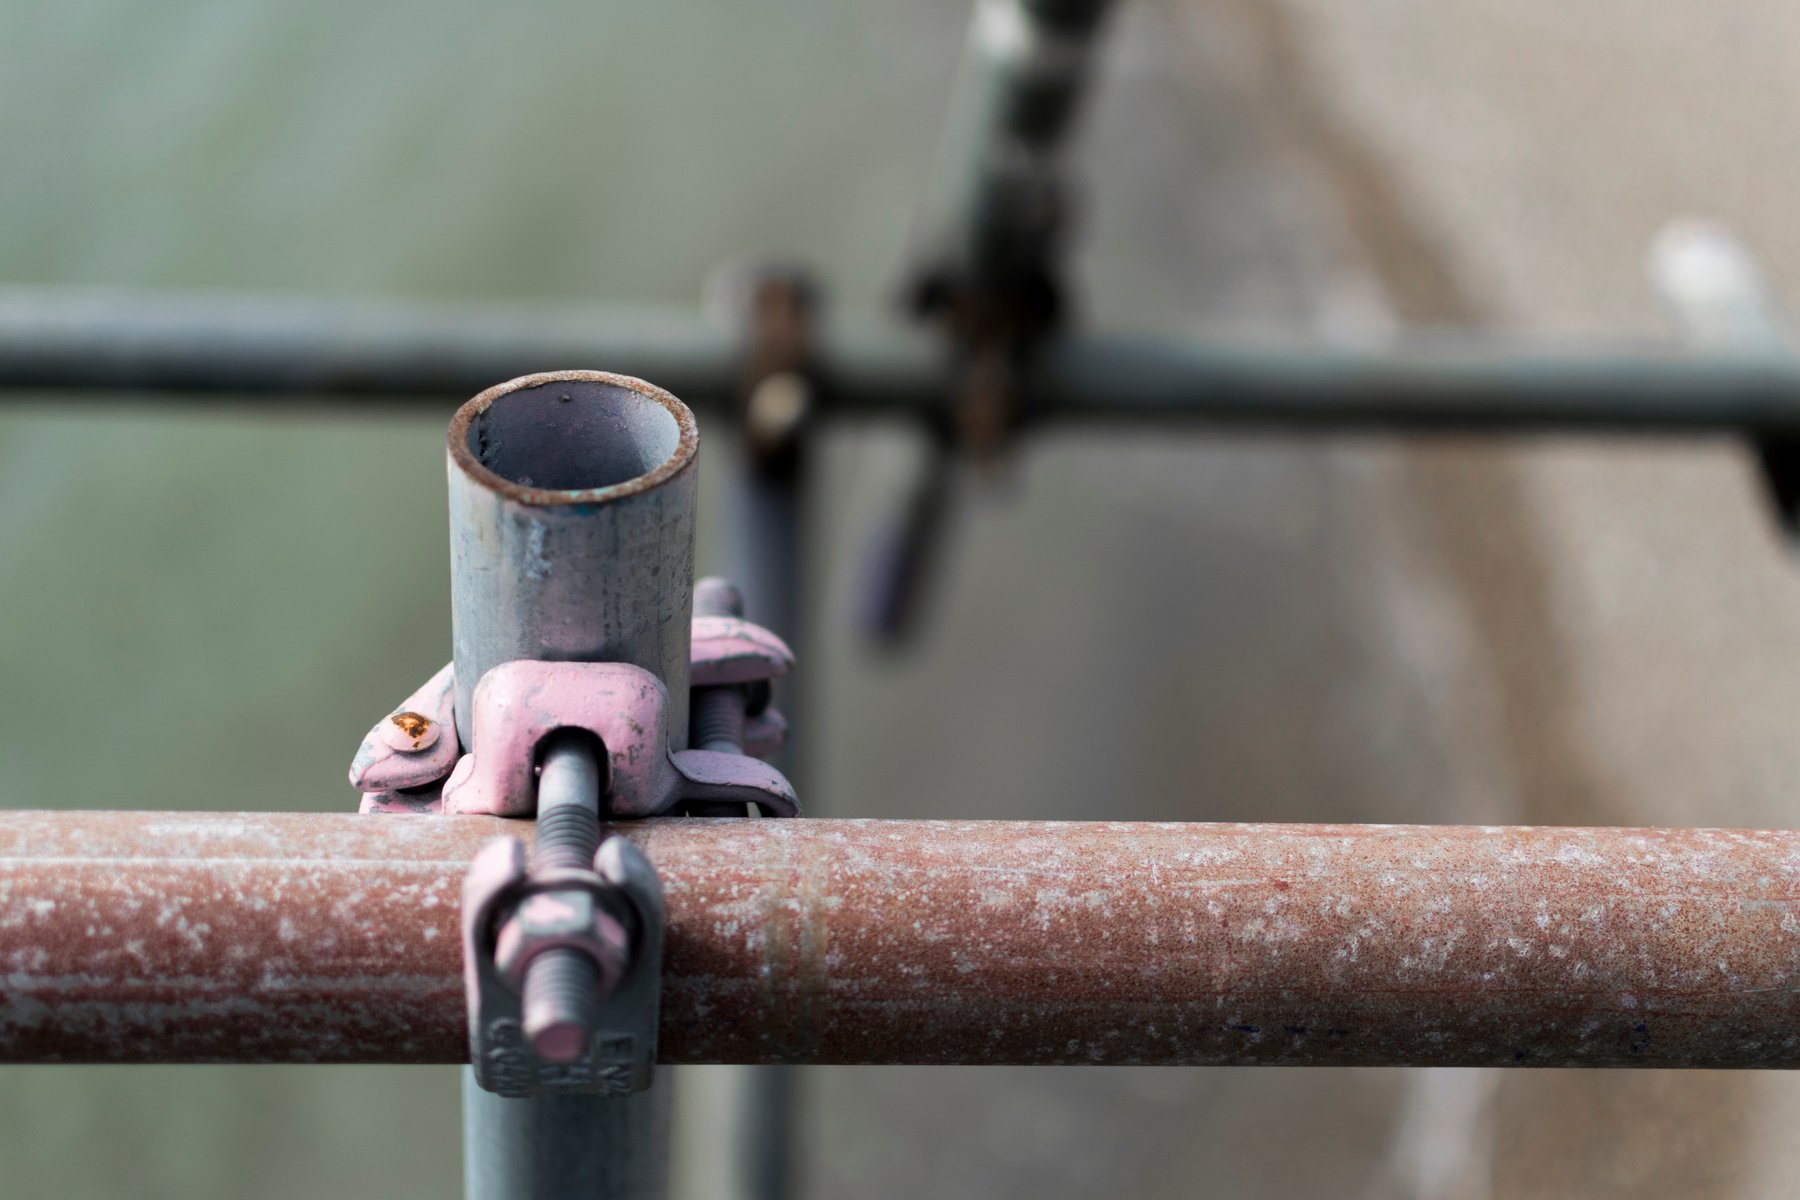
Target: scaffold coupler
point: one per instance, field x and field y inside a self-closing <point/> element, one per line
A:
<point x="562" y="944"/>
<point x="529" y="718"/>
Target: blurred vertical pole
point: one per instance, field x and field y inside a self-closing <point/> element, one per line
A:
<point x="736" y="1138"/>
<point x="765" y="557"/>
<point x="572" y="513"/>
<point x="738" y="1128"/>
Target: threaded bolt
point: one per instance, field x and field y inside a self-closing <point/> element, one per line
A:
<point x="561" y="1004"/>
<point x="568" y="836"/>
<point x="715" y="597"/>
<point x="561" y="991"/>
<point x="716" y="718"/>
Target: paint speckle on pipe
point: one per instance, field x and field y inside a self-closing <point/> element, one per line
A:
<point x="293" y="938"/>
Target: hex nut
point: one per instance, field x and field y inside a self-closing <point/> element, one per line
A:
<point x="571" y="917"/>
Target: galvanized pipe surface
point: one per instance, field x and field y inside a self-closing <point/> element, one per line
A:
<point x="554" y="1150"/>
<point x="139" y="937"/>
<point x="572" y="515"/>
<point x="296" y="349"/>
<point x="210" y="341"/>
<point x="215" y="345"/>
<point x="572" y="529"/>
<point x="1424" y="386"/>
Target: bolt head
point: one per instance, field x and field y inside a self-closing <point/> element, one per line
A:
<point x="409" y="732"/>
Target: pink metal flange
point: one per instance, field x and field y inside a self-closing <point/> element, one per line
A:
<point x="412" y="761"/>
<point x="414" y="745"/>
<point x="518" y="704"/>
<point x="729" y="650"/>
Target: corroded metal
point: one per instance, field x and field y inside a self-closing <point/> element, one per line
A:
<point x="142" y="937"/>
<point x="409" y="748"/>
<point x="286" y="938"/>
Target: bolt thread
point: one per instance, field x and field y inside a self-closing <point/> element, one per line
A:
<point x="561" y="989"/>
<point x="717" y="719"/>
<point x="561" y="1003"/>
<point x="567" y="836"/>
<point x="715" y="597"/>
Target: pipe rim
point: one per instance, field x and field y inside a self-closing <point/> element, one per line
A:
<point x="686" y="448"/>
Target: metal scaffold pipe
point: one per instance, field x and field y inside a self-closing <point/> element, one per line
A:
<point x="572" y="530"/>
<point x="140" y="937"/>
<point x="572" y="509"/>
<point x="278" y="351"/>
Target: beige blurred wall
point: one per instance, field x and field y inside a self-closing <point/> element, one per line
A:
<point x="1539" y="630"/>
<point x="1644" y="618"/>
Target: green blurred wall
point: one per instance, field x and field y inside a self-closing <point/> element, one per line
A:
<point x="205" y="609"/>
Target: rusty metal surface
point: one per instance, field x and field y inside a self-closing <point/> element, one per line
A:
<point x="153" y="937"/>
<point x="225" y="937"/>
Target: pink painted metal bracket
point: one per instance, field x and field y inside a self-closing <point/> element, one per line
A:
<point x="728" y="650"/>
<point x="764" y="733"/>
<point x="404" y="759"/>
<point x="518" y="704"/>
<point x="412" y="759"/>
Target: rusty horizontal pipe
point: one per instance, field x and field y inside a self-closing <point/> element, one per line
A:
<point x="139" y="937"/>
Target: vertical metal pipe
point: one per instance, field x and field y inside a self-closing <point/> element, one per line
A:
<point x="766" y="556"/>
<point x="565" y="1146"/>
<point x="572" y="529"/>
<point x="571" y="538"/>
<point x="737" y="1135"/>
<point x="735" y="1127"/>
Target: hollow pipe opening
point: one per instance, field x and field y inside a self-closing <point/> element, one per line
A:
<point x="573" y="437"/>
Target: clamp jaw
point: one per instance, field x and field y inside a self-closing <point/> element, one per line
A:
<point x="414" y="762"/>
<point x="597" y="905"/>
<point x="614" y="914"/>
